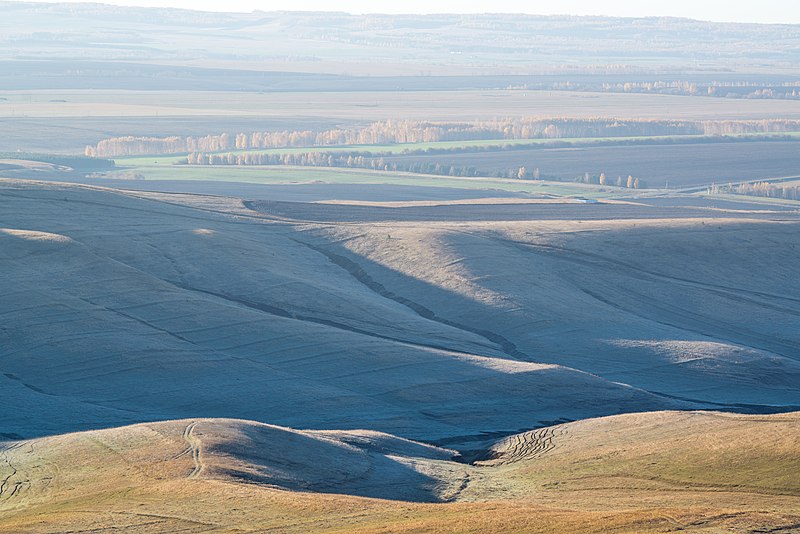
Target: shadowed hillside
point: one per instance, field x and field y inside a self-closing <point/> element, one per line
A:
<point x="436" y="331"/>
<point x="166" y="311"/>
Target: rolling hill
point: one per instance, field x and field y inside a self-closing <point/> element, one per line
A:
<point x="700" y="471"/>
<point x="434" y="353"/>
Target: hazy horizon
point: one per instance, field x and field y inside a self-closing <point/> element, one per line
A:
<point x="769" y="11"/>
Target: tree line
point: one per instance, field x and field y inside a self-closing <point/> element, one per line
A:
<point x="376" y="162"/>
<point x="726" y="89"/>
<point x="408" y="131"/>
<point x="78" y="163"/>
<point x="353" y="160"/>
<point x="760" y="189"/>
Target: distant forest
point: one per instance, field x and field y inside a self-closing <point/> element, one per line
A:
<point x="403" y="132"/>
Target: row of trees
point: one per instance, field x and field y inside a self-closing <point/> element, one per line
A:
<point x="355" y="160"/>
<point x="366" y="160"/>
<point x="760" y="189"/>
<point x="405" y="131"/>
<point x="723" y="89"/>
<point x="140" y="146"/>
<point x="304" y="159"/>
<point x="619" y="181"/>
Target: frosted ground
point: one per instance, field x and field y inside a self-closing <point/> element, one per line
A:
<point x="319" y="366"/>
<point x="121" y="307"/>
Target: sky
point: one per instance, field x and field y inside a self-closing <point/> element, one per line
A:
<point x="782" y="11"/>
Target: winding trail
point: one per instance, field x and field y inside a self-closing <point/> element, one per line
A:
<point x="15" y="481"/>
<point x="4" y="484"/>
<point x="194" y="447"/>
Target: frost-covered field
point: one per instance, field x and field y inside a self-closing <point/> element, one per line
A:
<point x="448" y="322"/>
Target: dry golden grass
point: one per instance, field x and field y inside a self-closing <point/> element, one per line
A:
<point x="657" y="472"/>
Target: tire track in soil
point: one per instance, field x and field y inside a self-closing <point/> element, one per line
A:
<point x="193" y="447"/>
<point x="523" y="447"/>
